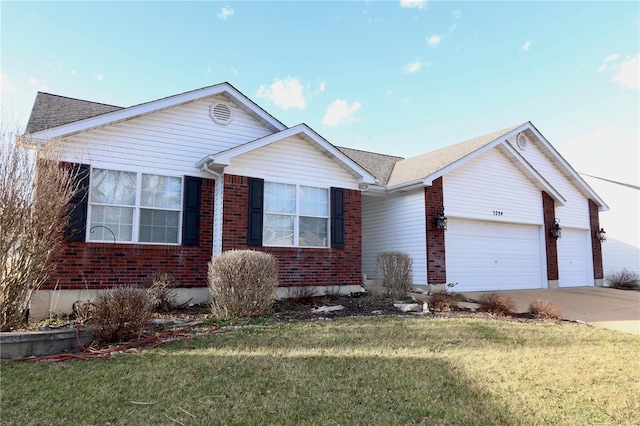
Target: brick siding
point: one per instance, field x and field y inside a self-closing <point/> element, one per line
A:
<point x="594" y="219"/>
<point x="102" y="265"/>
<point x="298" y="266"/>
<point x="436" y="262"/>
<point x="549" y="214"/>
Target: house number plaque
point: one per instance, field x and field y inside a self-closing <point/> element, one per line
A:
<point x="497" y="213"/>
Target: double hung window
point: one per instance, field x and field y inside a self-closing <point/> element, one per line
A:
<point x="295" y="215"/>
<point x="134" y="207"/>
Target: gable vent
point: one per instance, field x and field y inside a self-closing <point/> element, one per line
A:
<point x="220" y="113"/>
<point x="521" y="139"/>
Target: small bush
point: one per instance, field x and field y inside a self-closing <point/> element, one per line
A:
<point x="161" y="292"/>
<point x="396" y="269"/>
<point x="120" y="314"/>
<point x="242" y="283"/>
<point x="496" y="303"/>
<point x="301" y="293"/>
<point x="623" y="280"/>
<point x="443" y="301"/>
<point x="83" y="311"/>
<point x="544" y="309"/>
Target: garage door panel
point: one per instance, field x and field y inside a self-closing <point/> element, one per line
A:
<point x="491" y="256"/>
<point x="574" y="258"/>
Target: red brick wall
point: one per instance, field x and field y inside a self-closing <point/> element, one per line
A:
<point x="598" y="272"/>
<point x="298" y="266"/>
<point x="436" y="263"/>
<point x="101" y="265"/>
<point x="549" y="214"/>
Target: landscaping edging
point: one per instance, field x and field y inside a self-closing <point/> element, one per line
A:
<point x="36" y="343"/>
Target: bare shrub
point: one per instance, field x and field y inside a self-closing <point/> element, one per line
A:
<point x="544" y="309"/>
<point x="443" y="301"/>
<point x="496" y="303"/>
<point x="82" y="310"/>
<point x="120" y="314"/>
<point x="301" y="293"/>
<point x="242" y="283"/>
<point x="396" y="269"/>
<point x="35" y="190"/>
<point x="623" y="280"/>
<point x="162" y="293"/>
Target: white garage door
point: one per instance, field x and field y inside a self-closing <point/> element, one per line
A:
<point x="484" y="256"/>
<point x="574" y="258"/>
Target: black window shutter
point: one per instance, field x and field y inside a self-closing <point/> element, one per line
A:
<point x="77" y="228"/>
<point x="191" y="211"/>
<point x="256" y="197"/>
<point x="337" y="217"/>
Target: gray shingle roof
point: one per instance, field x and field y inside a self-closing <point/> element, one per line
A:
<point x="379" y="165"/>
<point x="52" y="110"/>
<point x="423" y="165"/>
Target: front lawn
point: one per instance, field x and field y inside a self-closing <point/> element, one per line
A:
<point x="367" y="371"/>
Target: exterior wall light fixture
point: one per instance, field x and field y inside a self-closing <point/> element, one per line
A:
<point x="601" y="235"/>
<point x="556" y="231"/>
<point x="441" y="220"/>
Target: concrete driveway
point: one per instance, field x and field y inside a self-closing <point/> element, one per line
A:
<point x="603" y="307"/>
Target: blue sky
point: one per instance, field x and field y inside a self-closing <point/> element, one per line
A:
<point x="401" y="77"/>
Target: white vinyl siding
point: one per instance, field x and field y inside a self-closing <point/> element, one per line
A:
<point x="488" y="256"/>
<point x="395" y="223"/>
<point x="173" y="140"/>
<point x="575" y="263"/>
<point x="575" y="212"/>
<point x="292" y="160"/>
<point x="491" y="187"/>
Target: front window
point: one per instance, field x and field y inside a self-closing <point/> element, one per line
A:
<point x="134" y="207"/>
<point x="295" y="215"/>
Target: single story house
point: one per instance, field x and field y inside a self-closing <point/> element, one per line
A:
<point x="171" y="183"/>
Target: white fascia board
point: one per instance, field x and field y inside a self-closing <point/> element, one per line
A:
<point x="542" y="182"/>
<point x="584" y="186"/>
<point x="224" y="158"/>
<point x="153" y="106"/>
<point x="406" y="186"/>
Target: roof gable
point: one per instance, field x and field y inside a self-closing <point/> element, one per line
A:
<point x="217" y="162"/>
<point x="69" y="123"/>
<point x="379" y="165"/>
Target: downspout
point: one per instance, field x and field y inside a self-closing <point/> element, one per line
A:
<point x="217" y="209"/>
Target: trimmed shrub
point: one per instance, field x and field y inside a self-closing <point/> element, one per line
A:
<point x="496" y="303"/>
<point x="396" y="270"/>
<point x="623" y="280"/>
<point x="162" y="293"/>
<point x="120" y="314"/>
<point x="443" y="301"/>
<point x="242" y="283"/>
<point x="544" y="309"/>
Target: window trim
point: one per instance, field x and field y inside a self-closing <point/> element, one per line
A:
<point x="135" y="231"/>
<point x="297" y="216"/>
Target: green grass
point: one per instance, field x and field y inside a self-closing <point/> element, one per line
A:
<point x="371" y="371"/>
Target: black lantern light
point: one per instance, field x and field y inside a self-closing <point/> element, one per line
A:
<point x="441" y="220"/>
<point x="601" y="235"/>
<point x="556" y="231"/>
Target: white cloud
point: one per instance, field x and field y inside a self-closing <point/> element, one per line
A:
<point x="602" y="68"/>
<point x="225" y="12"/>
<point x="323" y="86"/>
<point x="525" y="46"/>
<point x="635" y="21"/>
<point x="412" y="67"/>
<point x="39" y="84"/>
<point x="5" y="84"/>
<point x="434" y="40"/>
<point x="611" y="57"/>
<point x="99" y="77"/>
<point x="234" y="71"/>
<point x="456" y="14"/>
<point x="389" y="92"/>
<point x="73" y="72"/>
<point x="419" y="4"/>
<point x="208" y="69"/>
<point x="629" y="74"/>
<point x="579" y="70"/>
<point x="340" y="111"/>
<point x="285" y="94"/>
